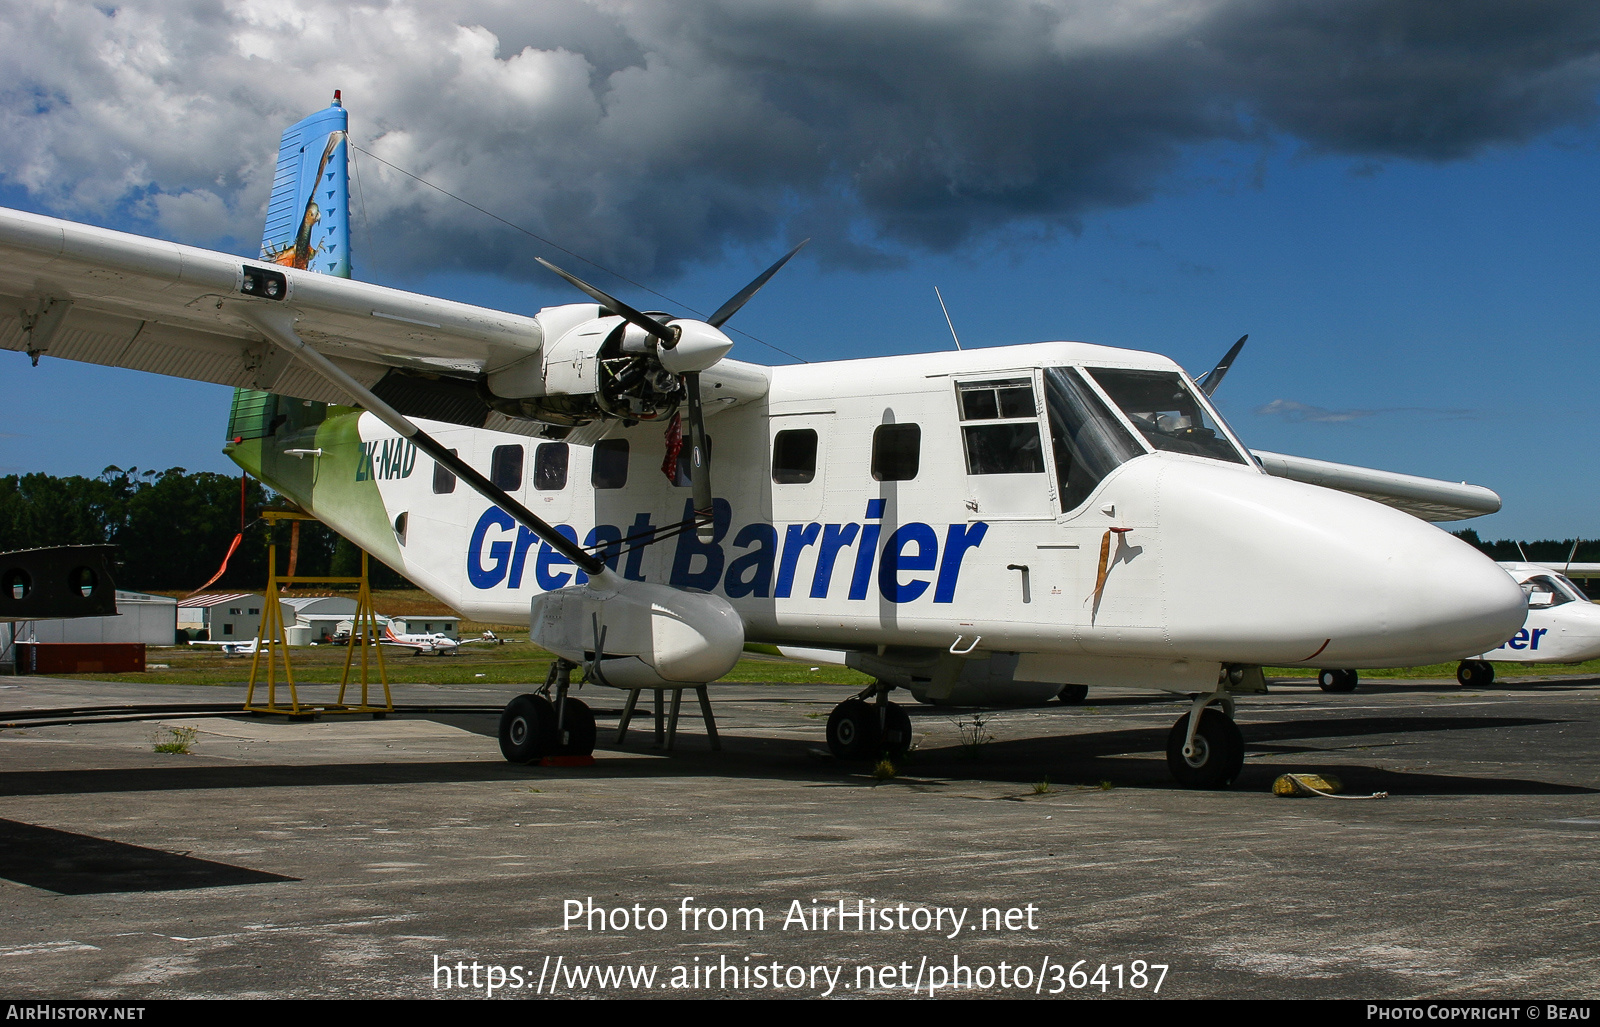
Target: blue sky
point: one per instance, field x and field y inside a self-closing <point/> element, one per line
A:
<point x="1433" y="313"/>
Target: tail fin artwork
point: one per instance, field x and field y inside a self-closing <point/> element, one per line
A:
<point x="308" y="217"/>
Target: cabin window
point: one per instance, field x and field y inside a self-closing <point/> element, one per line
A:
<point x="444" y="482"/>
<point x="896" y="451"/>
<point x="681" y="476"/>
<point x="1166" y="412"/>
<point x="1086" y="439"/>
<point x="794" y="456"/>
<point x="610" y="470"/>
<point x="550" y="466"/>
<point x="505" y="467"/>
<point x="1005" y="437"/>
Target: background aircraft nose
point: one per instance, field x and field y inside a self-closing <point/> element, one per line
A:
<point x="1298" y="574"/>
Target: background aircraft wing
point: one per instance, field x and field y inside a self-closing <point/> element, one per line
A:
<point x="89" y="294"/>
<point x="1427" y="498"/>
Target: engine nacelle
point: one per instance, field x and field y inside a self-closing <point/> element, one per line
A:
<point x="650" y="635"/>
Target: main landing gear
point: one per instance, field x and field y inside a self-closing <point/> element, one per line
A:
<point x="859" y="730"/>
<point x="533" y="727"/>
<point x="1205" y="748"/>
<point x="1475" y="674"/>
<point x="1337" y="680"/>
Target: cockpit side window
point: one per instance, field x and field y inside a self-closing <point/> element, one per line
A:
<point x="1000" y="427"/>
<point x="1166" y="412"/>
<point x="1088" y="442"/>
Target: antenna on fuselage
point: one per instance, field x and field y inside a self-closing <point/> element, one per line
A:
<point x="947" y="320"/>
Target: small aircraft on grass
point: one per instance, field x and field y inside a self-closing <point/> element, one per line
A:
<point x="231" y="649"/>
<point x="1039" y="515"/>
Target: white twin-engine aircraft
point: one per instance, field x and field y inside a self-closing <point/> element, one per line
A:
<point x="1025" y="517"/>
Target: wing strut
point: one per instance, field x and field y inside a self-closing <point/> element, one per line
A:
<point x="278" y="325"/>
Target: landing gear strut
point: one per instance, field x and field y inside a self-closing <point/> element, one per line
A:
<point x="860" y="730"/>
<point x="533" y="727"/>
<point x="1205" y="748"/>
<point x="1475" y="674"/>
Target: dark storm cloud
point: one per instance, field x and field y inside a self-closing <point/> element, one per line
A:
<point x="649" y="135"/>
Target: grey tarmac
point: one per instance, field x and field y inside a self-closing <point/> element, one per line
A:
<point x="351" y="857"/>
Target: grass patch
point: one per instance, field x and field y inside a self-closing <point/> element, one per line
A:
<point x="176" y="740"/>
<point x="974" y="732"/>
<point x="884" y="771"/>
<point x="1042" y="787"/>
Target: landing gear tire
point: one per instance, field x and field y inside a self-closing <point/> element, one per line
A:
<point x="1475" y="674"/>
<point x="1218" y="751"/>
<point x="1072" y="695"/>
<point x="853" y="730"/>
<point x="578" y="727"/>
<point x="527" y="729"/>
<point x="1337" y="680"/>
<point x="896" y="730"/>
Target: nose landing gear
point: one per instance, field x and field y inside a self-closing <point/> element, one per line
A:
<point x="1337" y="680"/>
<point x="1205" y="748"/>
<point x="859" y="730"/>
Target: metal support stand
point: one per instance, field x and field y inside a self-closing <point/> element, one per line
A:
<point x="272" y="640"/>
<point x="668" y="739"/>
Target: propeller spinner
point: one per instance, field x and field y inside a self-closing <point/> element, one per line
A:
<point x="686" y="347"/>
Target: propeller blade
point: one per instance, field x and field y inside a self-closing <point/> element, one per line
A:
<point x="731" y="307"/>
<point x="699" y="461"/>
<point x="668" y="337"/>
<point x="1209" y="381"/>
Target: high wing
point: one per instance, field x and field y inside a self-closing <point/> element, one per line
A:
<point x="1427" y="498"/>
<point x="90" y="294"/>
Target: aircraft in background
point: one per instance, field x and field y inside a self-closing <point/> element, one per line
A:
<point x="436" y="643"/>
<point x="1039" y="515"/>
<point x="231" y="649"/>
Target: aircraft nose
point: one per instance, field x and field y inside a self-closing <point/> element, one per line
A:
<point x="1298" y="574"/>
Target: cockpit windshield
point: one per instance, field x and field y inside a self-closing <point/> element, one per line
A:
<point x="1547" y="590"/>
<point x="1087" y="440"/>
<point x="1166" y="412"/>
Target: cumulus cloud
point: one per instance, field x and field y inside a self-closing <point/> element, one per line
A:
<point x="1296" y="412"/>
<point x="649" y="135"/>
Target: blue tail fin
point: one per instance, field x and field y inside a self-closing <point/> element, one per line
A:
<point x="308" y="217"/>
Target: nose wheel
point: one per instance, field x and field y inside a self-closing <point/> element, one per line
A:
<point x="1212" y="757"/>
<point x="860" y="730"/>
<point x="1337" y="680"/>
<point x="1475" y="674"/>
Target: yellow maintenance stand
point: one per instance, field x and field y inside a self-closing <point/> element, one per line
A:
<point x="272" y="639"/>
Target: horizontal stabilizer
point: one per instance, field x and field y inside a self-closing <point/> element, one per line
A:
<point x="1427" y="498"/>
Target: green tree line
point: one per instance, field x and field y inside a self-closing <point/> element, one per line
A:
<point x="171" y="528"/>
<point x="1544" y="550"/>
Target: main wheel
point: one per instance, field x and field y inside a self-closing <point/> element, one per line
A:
<point x="1218" y="751"/>
<point x="853" y="730"/>
<point x="577" y="729"/>
<point x="896" y="729"/>
<point x="1475" y="674"/>
<point x="1072" y="695"/>
<point x="1337" y="680"/>
<point x="527" y="729"/>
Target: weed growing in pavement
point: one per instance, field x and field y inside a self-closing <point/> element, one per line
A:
<point x="178" y="740"/>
